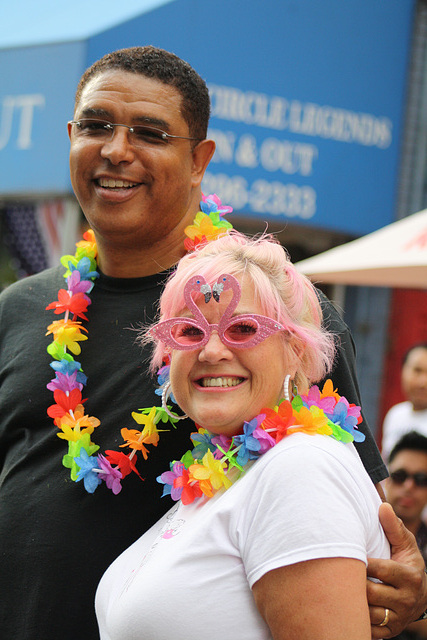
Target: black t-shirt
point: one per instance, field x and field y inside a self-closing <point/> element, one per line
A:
<point x="345" y="380"/>
<point x="56" y="540"/>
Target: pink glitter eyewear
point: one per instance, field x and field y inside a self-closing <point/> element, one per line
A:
<point x="238" y="332"/>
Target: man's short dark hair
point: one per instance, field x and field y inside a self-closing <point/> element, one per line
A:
<point x="419" y="345"/>
<point x="412" y="441"/>
<point x="165" y="67"/>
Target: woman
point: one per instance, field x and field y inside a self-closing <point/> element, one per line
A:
<point x="277" y="515"/>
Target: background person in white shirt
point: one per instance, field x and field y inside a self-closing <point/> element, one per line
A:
<point x="410" y="415"/>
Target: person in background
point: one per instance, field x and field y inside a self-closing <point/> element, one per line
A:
<point x="410" y="415"/>
<point x="72" y="378"/>
<point x="406" y="491"/>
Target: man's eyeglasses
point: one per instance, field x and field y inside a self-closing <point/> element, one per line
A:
<point x="139" y="134"/>
<point x="401" y="475"/>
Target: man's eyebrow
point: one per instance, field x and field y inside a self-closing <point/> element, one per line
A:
<point x="152" y="122"/>
<point x="92" y="112"/>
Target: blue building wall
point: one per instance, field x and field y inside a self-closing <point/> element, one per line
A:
<point x="36" y="99"/>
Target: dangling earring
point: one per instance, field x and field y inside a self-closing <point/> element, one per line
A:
<point x="165" y="396"/>
<point x="294" y="389"/>
<point x="286" y="388"/>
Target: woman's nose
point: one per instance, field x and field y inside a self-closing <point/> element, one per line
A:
<point x="215" y="350"/>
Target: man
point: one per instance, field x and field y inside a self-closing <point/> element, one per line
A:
<point x="411" y="414"/>
<point x="406" y="491"/>
<point x="139" y="188"/>
<point x="406" y="488"/>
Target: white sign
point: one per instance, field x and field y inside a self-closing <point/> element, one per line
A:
<point x="21" y="107"/>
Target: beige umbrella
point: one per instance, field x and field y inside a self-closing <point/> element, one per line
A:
<point x="394" y="256"/>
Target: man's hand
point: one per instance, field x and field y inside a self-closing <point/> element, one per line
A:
<point x="404" y="588"/>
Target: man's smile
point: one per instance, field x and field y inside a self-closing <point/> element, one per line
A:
<point x="112" y="183"/>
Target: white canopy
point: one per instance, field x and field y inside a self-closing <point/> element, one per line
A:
<point x="394" y="256"/>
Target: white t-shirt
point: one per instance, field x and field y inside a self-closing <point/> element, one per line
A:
<point x="399" y="420"/>
<point x="190" y="576"/>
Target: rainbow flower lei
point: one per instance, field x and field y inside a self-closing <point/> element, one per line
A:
<point x="67" y="412"/>
<point x="206" y="469"/>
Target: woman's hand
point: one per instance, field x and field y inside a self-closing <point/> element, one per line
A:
<point x="404" y="588"/>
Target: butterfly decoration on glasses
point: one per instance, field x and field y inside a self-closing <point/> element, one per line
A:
<point x="238" y="332"/>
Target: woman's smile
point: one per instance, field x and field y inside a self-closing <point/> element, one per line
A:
<point x="219" y="383"/>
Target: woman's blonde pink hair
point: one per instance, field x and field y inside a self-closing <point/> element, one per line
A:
<point x="282" y="292"/>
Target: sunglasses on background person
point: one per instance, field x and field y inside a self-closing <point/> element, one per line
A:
<point x="401" y="475"/>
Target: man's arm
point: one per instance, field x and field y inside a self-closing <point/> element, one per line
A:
<point x="404" y="582"/>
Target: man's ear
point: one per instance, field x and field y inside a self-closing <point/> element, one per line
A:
<point x="202" y="154"/>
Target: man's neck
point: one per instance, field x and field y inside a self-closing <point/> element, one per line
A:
<point x="128" y="257"/>
<point x="134" y="261"/>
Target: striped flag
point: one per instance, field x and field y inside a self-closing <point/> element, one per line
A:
<point x="59" y="223"/>
<point x="37" y="235"/>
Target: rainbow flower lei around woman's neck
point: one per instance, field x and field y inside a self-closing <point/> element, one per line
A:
<point x="206" y="469"/>
<point x="75" y="426"/>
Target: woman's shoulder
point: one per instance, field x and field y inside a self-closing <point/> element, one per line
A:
<point x="314" y="459"/>
<point x="297" y="445"/>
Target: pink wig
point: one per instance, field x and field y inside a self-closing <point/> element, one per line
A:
<point x="281" y="291"/>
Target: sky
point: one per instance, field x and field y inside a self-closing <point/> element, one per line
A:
<point x="28" y="22"/>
